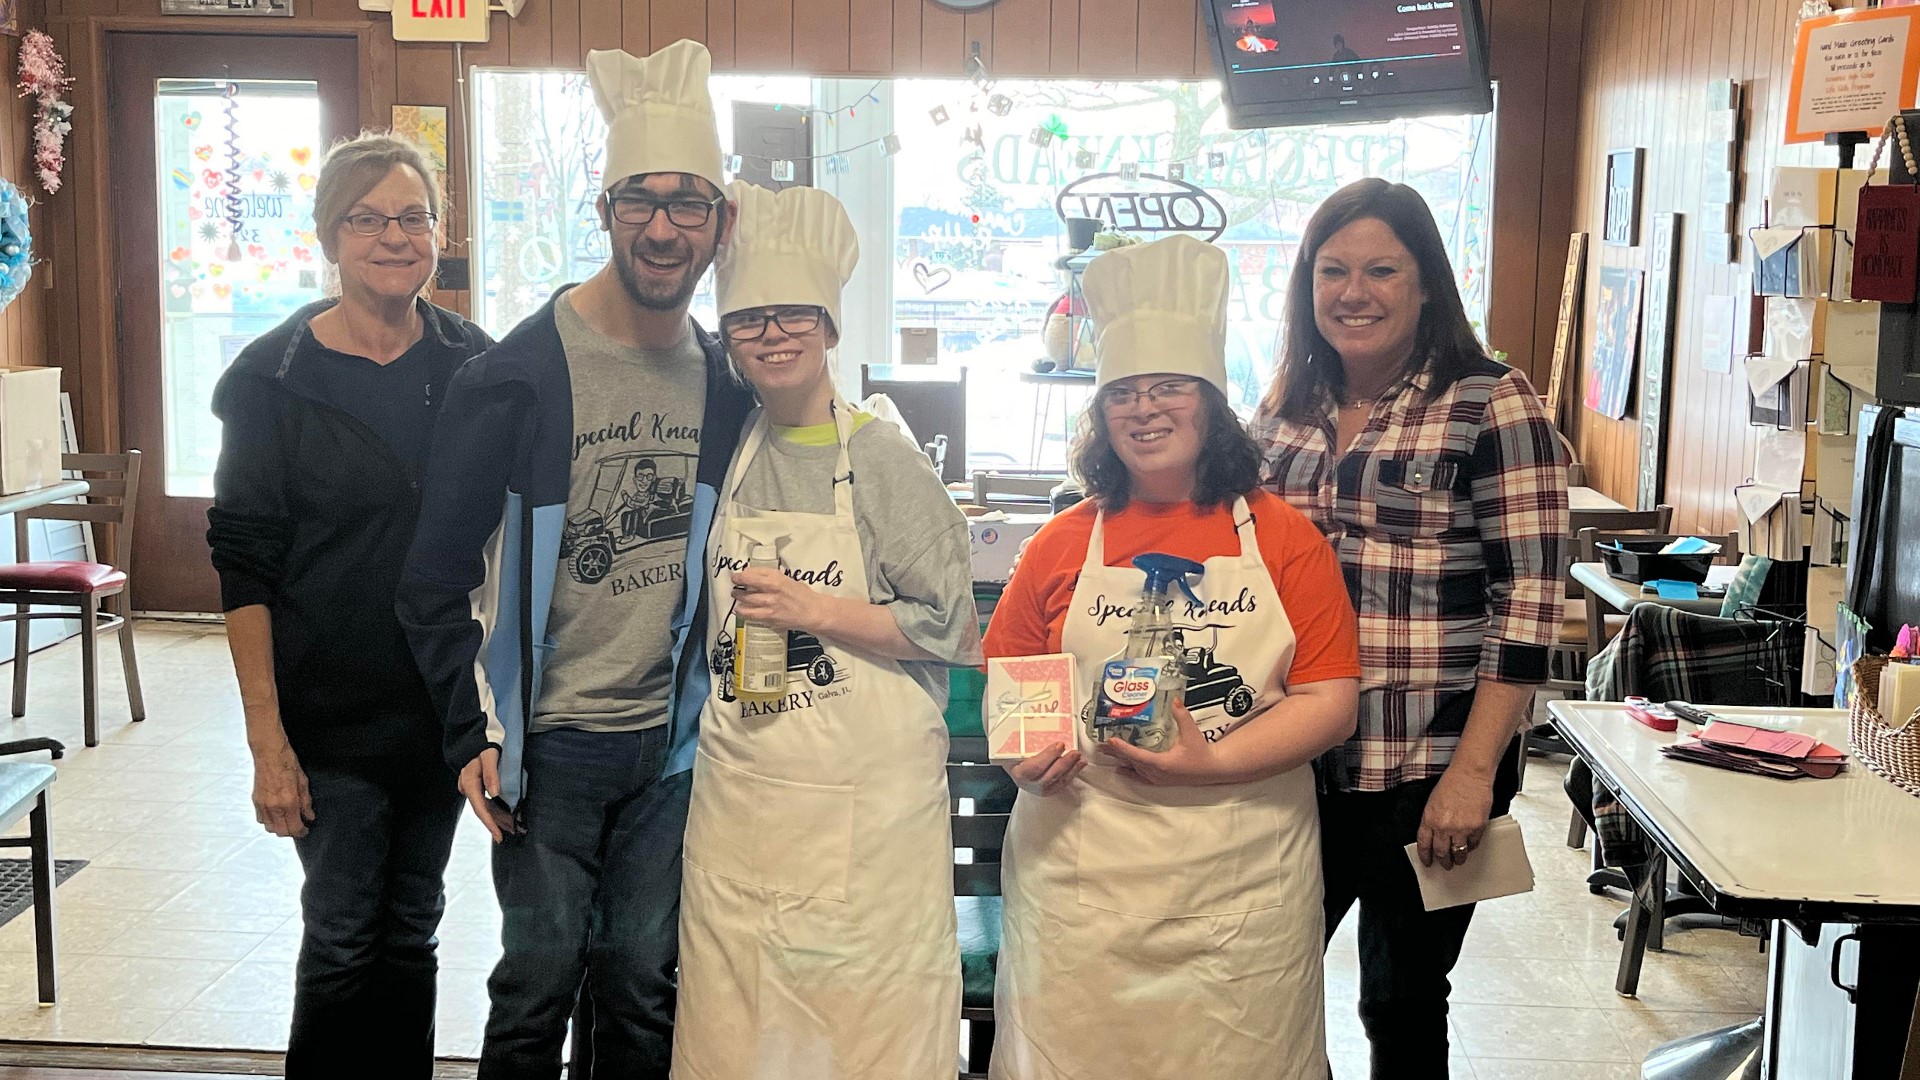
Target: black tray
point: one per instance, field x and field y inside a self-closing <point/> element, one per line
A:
<point x="1640" y="561"/>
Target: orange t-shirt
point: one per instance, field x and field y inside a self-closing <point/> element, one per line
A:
<point x="1033" y="611"/>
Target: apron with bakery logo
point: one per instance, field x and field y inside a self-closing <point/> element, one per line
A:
<point x="817" y="935"/>
<point x="1150" y="931"/>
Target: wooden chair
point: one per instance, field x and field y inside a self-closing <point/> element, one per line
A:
<point x="94" y="593"/>
<point x="981" y="795"/>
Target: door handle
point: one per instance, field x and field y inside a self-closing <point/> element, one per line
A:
<point x="1833" y="971"/>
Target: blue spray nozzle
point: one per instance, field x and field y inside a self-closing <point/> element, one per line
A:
<point x="1163" y="570"/>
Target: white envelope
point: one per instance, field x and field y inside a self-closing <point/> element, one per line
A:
<point x="1795" y="326"/>
<point x="1498" y="867"/>
<point x="1764" y="371"/>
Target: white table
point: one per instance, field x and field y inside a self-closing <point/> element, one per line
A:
<point x="1586" y="498"/>
<point x="1624" y="596"/>
<point x="33" y="498"/>
<point x="1808" y="853"/>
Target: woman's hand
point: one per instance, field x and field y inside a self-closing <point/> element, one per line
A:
<point x="280" y="798"/>
<point x="1192" y="760"/>
<point x="1455" y="818"/>
<point x="770" y="598"/>
<point x="1047" y="771"/>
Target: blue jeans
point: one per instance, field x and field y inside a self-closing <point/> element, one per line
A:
<point x="374" y="857"/>
<point x="590" y="888"/>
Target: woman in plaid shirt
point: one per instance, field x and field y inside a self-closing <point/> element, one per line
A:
<point x="1434" y="472"/>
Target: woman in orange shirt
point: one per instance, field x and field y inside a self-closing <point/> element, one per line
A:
<point x="1165" y="908"/>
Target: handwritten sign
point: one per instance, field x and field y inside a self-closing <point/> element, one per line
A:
<point x="1154" y="205"/>
<point x="1852" y="70"/>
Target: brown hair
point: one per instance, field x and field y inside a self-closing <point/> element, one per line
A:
<point x="356" y="166"/>
<point x="1444" y="342"/>
<point x="1229" y="464"/>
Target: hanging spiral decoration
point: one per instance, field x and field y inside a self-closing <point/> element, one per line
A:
<point x="233" y="203"/>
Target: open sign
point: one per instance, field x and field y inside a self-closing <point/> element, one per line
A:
<point x="1150" y="204"/>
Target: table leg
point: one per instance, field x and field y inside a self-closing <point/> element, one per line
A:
<point x="40" y="842"/>
<point x="1633" y="946"/>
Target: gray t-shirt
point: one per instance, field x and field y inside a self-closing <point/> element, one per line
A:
<point x="913" y="536"/>
<point x="636" y="452"/>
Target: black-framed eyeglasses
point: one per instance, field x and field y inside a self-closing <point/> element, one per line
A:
<point x="1169" y="392"/>
<point x="683" y="213"/>
<point x="413" y="222"/>
<point x="752" y="325"/>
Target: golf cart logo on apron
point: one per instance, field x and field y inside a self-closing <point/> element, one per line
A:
<point x="812" y="673"/>
<point x="641" y="506"/>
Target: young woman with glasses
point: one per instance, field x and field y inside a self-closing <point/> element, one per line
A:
<point x="817" y="931"/>
<point x="1163" y="907"/>
<point x="327" y="420"/>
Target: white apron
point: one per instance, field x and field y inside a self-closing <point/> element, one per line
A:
<point x="1153" y="931"/>
<point x="817" y="933"/>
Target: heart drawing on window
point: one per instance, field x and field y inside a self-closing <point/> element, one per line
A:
<point x="931" y="278"/>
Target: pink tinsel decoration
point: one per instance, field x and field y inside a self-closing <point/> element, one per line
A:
<point x="43" y="76"/>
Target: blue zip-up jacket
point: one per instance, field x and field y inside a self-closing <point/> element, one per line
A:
<point x="478" y="584"/>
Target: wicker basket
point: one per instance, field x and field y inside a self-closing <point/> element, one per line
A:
<point x="1894" y="753"/>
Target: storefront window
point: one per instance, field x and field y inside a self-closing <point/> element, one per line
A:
<point x="977" y="186"/>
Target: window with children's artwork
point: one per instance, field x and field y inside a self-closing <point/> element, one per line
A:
<point x="981" y="176"/>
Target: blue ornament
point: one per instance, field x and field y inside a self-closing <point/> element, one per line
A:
<point x="16" y="243"/>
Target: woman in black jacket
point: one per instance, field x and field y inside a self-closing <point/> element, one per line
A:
<point x="327" y="420"/>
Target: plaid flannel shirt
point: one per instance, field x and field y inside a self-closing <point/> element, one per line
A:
<point x="1450" y="519"/>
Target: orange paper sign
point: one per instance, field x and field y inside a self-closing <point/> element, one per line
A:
<point x="1851" y="71"/>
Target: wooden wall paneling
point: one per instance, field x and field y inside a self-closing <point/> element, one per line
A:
<point x="870" y="43"/>
<point x="1519" y="134"/>
<point x="599" y="27"/>
<point x="762" y="35"/>
<point x="822" y="35"/>
<point x="530" y="36"/>
<point x="98" y="377"/>
<point x="566" y="33"/>
<point x="908" y="18"/>
<point x="1165" y="44"/>
<point x="379" y="78"/>
<point x="1021" y="33"/>
<point x="56" y="245"/>
<point x="1063" y="48"/>
<point x="636" y="25"/>
<point x="676" y="19"/>
<point x="721" y="32"/>
<point x="1110" y="37"/>
<point x="943" y="41"/>
<point x="1559" y="173"/>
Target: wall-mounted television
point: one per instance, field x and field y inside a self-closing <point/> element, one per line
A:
<point x="1288" y="62"/>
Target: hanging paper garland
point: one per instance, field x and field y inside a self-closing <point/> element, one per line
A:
<point x="16" y="243"/>
<point x="231" y="175"/>
<point x="43" y="76"/>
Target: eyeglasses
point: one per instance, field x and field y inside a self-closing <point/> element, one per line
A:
<point x="413" y="222"/>
<point x="752" y="325"/>
<point x="1171" y="392"/>
<point x="683" y="213"/>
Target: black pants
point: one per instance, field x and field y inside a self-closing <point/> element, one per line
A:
<point x="1406" y="952"/>
<point x="375" y="855"/>
<point x="590" y="889"/>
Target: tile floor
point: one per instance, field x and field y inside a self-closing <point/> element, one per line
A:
<point x="183" y="929"/>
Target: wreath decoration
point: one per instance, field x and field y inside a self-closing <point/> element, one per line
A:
<point x="16" y="243"/>
<point x="43" y="76"/>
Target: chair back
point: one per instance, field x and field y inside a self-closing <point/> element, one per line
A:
<point x="980" y="796"/>
<point x="113" y="488"/>
<point x="933" y="402"/>
<point x="1656" y="520"/>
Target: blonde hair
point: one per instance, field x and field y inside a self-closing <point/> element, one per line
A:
<point x="356" y="166"/>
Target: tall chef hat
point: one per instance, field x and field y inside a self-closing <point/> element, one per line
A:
<point x="789" y="247"/>
<point x="659" y="112"/>
<point x="1159" y="307"/>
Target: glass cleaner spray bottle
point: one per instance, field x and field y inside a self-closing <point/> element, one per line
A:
<point x="1134" y="700"/>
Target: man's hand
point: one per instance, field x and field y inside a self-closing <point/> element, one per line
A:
<point x="770" y="598"/>
<point x="1047" y="771"/>
<point x="280" y="798"/>
<point x="1191" y="760"/>
<point x="480" y="783"/>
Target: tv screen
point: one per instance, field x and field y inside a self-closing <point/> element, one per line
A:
<point x="1289" y="62"/>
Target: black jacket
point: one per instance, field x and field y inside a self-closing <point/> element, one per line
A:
<point x="312" y="516"/>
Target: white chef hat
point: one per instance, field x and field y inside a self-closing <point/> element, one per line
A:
<point x="1159" y="307"/>
<point x="659" y="112"/>
<point x="788" y="247"/>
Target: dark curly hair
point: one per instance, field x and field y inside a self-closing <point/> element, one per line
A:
<point x="1229" y="464"/>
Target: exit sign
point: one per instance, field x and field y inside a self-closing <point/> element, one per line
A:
<point x="440" y="20"/>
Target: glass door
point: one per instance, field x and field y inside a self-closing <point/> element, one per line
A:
<point x="216" y="246"/>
